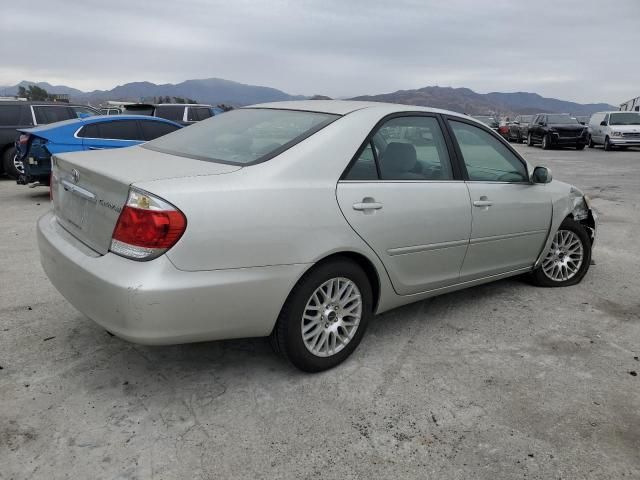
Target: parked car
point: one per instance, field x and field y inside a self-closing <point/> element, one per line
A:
<point x="557" y="130"/>
<point x="184" y="114"/>
<point x="614" y="129"/>
<point x="21" y="114"/>
<point x="583" y="119"/>
<point x="263" y="221"/>
<point x="36" y="145"/>
<point x="489" y="121"/>
<point x="519" y="128"/>
<point x="503" y="129"/>
<point x="110" y="111"/>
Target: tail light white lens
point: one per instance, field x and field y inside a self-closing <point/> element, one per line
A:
<point x="147" y="227"/>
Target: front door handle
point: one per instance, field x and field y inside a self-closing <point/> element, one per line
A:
<point x="483" y="202"/>
<point x="367" y="206"/>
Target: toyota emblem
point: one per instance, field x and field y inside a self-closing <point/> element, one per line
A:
<point x="75" y="175"/>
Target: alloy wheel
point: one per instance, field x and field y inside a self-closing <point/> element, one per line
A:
<point x="565" y="257"/>
<point x="331" y="317"/>
<point x="17" y="164"/>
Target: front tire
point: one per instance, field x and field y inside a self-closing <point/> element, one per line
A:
<point x="325" y="316"/>
<point x="546" y="142"/>
<point x="529" y="140"/>
<point x="568" y="259"/>
<point x="607" y="144"/>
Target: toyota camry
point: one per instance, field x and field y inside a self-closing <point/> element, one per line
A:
<point x="300" y="221"/>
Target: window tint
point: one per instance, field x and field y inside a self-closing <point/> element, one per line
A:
<point x="84" y="111"/>
<point x="485" y="157"/>
<point x="152" y="130"/>
<point x="10" y="114"/>
<point x="120" y="130"/>
<point x="89" y="131"/>
<point x="242" y="136"/>
<point x="365" y="167"/>
<point x="196" y="114"/>
<point x="49" y="114"/>
<point x="170" y="112"/>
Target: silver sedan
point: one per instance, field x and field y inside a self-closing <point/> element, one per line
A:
<point x="300" y="221"/>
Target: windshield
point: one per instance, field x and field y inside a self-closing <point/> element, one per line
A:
<point x="561" y="120"/>
<point x="628" y="118"/>
<point x="243" y="136"/>
<point x="526" y="118"/>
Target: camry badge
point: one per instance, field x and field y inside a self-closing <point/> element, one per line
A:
<point x="75" y="175"/>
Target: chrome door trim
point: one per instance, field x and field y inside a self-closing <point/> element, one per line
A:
<point x="474" y="241"/>
<point x="424" y="248"/>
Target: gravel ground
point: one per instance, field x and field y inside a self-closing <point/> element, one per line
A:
<point x="502" y="381"/>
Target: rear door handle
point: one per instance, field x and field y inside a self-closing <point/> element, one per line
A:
<point x="367" y="206"/>
<point x="96" y="148"/>
<point x="482" y="203"/>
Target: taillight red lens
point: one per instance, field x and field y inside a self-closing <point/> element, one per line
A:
<point x="24" y="139"/>
<point x="149" y="228"/>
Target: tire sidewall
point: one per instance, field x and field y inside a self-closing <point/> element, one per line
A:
<point x="568" y="224"/>
<point x="291" y="316"/>
<point x="7" y="162"/>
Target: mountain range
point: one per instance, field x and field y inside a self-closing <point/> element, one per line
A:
<point x="217" y="90"/>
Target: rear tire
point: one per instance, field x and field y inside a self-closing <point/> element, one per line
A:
<point x="324" y="316"/>
<point x="560" y="268"/>
<point x="591" y="144"/>
<point x="8" y="164"/>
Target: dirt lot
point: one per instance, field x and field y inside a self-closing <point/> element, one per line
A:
<point x="501" y="381"/>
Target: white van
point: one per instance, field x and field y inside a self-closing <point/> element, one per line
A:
<point x="614" y="129"/>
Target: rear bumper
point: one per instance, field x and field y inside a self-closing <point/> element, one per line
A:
<point x="154" y="302"/>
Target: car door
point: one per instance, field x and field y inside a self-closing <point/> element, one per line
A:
<point x="536" y="129"/>
<point x="404" y="197"/>
<point x="511" y="216"/>
<point x="111" y="134"/>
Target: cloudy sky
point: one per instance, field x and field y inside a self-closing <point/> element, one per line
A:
<point x="581" y="50"/>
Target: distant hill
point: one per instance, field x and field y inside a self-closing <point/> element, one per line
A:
<point x="217" y="90"/>
<point x="464" y="100"/>
<point x="209" y="90"/>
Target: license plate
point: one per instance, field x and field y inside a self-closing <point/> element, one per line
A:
<point x="74" y="209"/>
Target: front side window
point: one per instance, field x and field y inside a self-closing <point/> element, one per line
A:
<point x="485" y="157"/>
<point x="243" y="136"/>
<point x="52" y="113"/>
<point x="405" y="148"/>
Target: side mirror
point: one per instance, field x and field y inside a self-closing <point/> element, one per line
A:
<point x="603" y="123"/>
<point x="541" y="175"/>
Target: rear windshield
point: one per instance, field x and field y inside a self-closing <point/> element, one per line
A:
<point x="243" y="136"/>
<point x="561" y="120"/>
<point x="629" y="118"/>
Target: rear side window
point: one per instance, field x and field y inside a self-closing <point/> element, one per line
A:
<point x="486" y="158"/>
<point x="120" y="130"/>
<point x="243" y="136"/>
<point x="89" y="131"/>
<point x="175" y="113"/>
<point x="196" y="114"/>
<point x="52" y="113"/>
<point x="10" y="114"/>
<point x="152" y="130"/>
<point x="405" y="148"/>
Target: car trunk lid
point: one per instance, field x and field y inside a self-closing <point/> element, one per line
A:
<point x="90" y="189"/>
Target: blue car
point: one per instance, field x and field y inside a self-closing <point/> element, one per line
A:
<point x="35" y="146"/>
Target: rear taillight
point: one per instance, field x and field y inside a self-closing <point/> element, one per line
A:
<point x="24" y="139"/>
<point x="147" y="227"/>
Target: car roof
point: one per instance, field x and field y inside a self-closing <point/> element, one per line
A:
<point x="344" y="107"/>
<point x="96" y="119"/>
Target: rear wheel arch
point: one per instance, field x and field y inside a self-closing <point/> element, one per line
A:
<point x="363" y="262"/>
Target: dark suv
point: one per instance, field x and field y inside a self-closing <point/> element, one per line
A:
<point x="20" y="114"/>
<point x="557" y="130"/>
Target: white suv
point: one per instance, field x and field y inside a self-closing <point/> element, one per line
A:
<point x="614" y="129"/>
